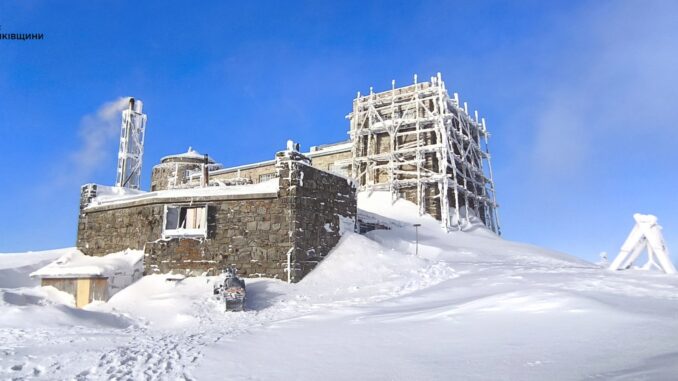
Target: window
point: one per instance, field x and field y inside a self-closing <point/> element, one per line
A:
<point x="266" y="176"/>
<point x="185" y="221"/>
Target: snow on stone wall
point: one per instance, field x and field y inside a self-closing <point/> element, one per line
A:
<point x="252" y="231"/>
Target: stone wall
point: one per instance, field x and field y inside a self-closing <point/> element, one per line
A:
<point x="322" y="205"/>
<point x="251" y="173"/>
<point x="248" y="231"/>
<point x="107" y="230"/>
<point x="174" y="172"/>
<point x="326" y="160"/>
<point x="252" y="232"/>
<point x="322" y="161"/>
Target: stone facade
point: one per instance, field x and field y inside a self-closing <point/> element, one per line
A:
<point x="104" y="230"/>
<point x="251" y="172"/>
<point x="325" y="161"/>
<point x="322" y="204"/>
<point x="173" y="170"/>
<point x="250" y="234"/>
<point x="253" y="232"/>
<point x="165" y="175"/>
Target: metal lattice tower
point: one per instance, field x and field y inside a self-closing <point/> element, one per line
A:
<point x="424" y="146"/>
<point x="131" y="150"/>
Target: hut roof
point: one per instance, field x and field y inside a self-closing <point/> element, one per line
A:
<point x="75" y="264"/>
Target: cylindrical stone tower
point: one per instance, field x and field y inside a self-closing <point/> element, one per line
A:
<point x="174" y="170"/>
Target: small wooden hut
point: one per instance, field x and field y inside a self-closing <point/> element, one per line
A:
<point x="91" y="279"/>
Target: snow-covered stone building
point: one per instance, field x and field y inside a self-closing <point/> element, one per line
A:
<point x="280" y="217"/>
<point x="279" y="228"/>
<point x="419" y="143"/>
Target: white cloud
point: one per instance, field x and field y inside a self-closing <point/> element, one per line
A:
<point x="97" y="133"/>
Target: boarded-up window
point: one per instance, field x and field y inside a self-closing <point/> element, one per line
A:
<point x="185" y="221"/>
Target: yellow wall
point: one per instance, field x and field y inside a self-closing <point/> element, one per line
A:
<point x="82" y="293"/>
<point x="84" y="290"/>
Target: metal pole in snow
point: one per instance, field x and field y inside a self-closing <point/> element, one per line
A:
<point x="416" y="235"/>
<point x="289" y="265"/>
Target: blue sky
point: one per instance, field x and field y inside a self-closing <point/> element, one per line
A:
<point x="580" y="98"/>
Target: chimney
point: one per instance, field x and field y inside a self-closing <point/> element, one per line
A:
<point x="205" y="172"/>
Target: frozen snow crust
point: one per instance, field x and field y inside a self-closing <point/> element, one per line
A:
<point x="471" y="306"/>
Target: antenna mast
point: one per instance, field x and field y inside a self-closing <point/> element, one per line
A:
<point x="131" y="152"/>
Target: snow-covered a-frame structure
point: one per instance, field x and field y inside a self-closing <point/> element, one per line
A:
<point x="646" y="235"/>
<point x="423" y="145"/>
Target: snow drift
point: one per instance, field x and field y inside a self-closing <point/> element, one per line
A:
<point x="471" y="306"/>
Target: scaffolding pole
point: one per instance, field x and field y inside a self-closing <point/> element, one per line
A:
<point x="434" y="155"/>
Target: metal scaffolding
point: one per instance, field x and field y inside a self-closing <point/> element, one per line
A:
<point x="131" y="151"/>
<point x="422" y="145"/>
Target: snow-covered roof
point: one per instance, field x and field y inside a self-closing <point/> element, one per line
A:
<point x="330" y="148"/>
<point x="75" y="264"/>
<point x="106" y="192"/>
<point x="269" y="187"/>
<point x="189" y="154"/>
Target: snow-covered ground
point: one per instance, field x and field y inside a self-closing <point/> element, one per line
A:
<point x="471" y="306"/>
